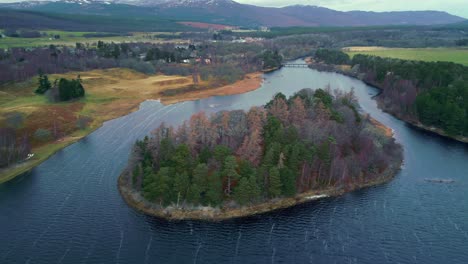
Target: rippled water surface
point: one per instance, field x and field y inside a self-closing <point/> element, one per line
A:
<point x="68" y="210"/>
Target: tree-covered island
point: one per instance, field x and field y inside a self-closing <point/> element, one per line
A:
<point x="238" y="163"/>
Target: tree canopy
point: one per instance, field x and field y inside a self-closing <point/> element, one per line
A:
<point x="309" y="141"/>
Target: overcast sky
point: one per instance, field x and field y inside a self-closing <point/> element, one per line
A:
<point x="456" y="7"/>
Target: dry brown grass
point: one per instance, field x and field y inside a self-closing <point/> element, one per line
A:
<point x="251" y="82"/>
<point x="110" y="93"/>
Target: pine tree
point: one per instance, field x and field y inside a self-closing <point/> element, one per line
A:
<point x="214" y="190"/>
<point x="241" y="192"/>
<point x="230" y="172"/>
<point x="44" y="84"/>
<point x="181" y="186"/>
<point x="288" y="182"/>
<point x="254" y="189"/>
<point x="200" y="176"/>
<point x="193" y="195"/>
<point x="275" y="186"/>
<point x="161" y="185"/>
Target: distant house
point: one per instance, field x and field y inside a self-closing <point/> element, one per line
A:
<point x="264" y="29"/>
<point x="241" y="40"/>
<point x="186" y="47"/>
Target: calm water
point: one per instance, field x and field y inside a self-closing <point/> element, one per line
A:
<point x="68" y="209"/>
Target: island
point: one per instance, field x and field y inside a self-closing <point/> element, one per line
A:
<point x="233" y="164"/>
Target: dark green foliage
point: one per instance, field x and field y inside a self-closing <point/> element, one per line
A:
<point x="324" y="97"/>
<point x="81" y="22"/>
<point x="332" y="56"/>
<point x="445" y="108"/>
<point x="44" y="84"/>
<point x="214" y="192"/>
<point x="434" y="93"/>
<point x="70" y="89"/>
<point x="230" y="172"/>
<point x="282" y="163"/>
<point x="181" y="186"/>
<point x="271" y="59"/>
<point x="274" y="185"/>
<point x="205" y="155"/>
<point x="288" y="181"/>
<point x="221" y="152"/>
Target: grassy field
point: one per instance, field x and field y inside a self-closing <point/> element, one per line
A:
<point x="109" y="94"/>
<point x="429" y="54"/>
<point x="69" y="38"/>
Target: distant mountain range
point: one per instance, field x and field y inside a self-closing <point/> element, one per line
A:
<point x="232" y="13"/>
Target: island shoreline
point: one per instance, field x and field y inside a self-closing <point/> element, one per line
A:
<point x="136" y="201"/>
<point x="208" y="214"/>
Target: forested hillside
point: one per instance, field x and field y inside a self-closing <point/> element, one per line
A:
<point x="435" y="93"/>
<point x="313" y="140"/>
<point x="85" y="22"/>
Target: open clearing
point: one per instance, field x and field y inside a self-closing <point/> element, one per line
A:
<point x="457" y="55"/>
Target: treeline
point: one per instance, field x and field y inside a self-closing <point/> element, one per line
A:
<point x="332" y="56"/>
<point x="13" y="33"/>
<point x="384" y="36"/>
<point x="19" y="64"/>
<point x="17" y="19"/>
<point x="434" y="93"/>
<point x="313" y="140"/>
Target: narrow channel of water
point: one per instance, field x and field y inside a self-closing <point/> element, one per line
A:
<point x="68" y="210"/>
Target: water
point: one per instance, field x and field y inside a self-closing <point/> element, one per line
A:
<point x="68" y="210"/>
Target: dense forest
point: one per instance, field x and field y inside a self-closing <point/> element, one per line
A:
<point x="17" y="19"/>
<point x="313" y="140"/>
<point x="433" y="93"/>
<point x="332" y="56"/>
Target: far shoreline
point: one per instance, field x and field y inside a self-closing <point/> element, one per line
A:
<point x="418" y="125"/>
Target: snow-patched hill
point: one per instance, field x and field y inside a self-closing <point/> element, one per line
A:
<point x="233" y="13"/>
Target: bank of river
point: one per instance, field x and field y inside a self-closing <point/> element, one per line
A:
<point x="346" y="70"/>
<point x="118" y="92"/>
<point x="69" y="209"/>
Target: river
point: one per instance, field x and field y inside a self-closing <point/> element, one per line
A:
<point x="68" y="209"/>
